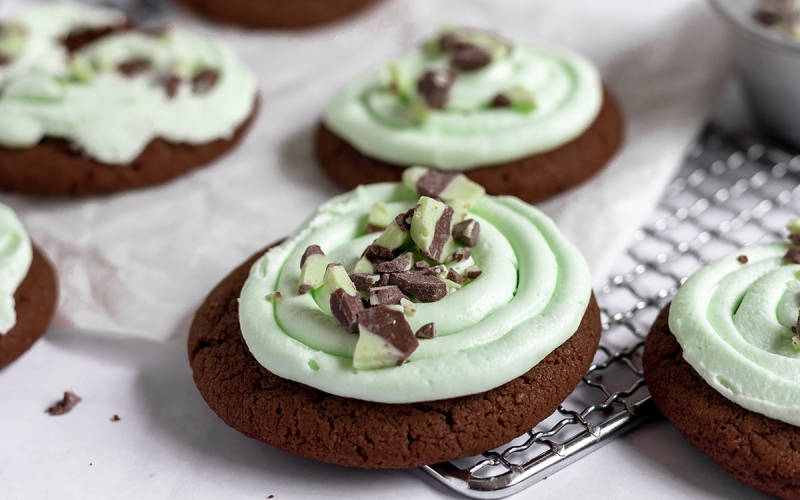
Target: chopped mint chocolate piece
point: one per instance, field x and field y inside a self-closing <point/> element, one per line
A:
<point x="430" y="229"/>
<point x="433" y="182"/>
<point x="313" y="265"/>
<point x="377" y="253"/>
<point x="742" y="259"/>
<point x="335" y="278"/>
<point x="4" y="59"/>
<point x="521" y="99"/>
<point x="461" y="254"/>
<point x="419" y="112"/>
<point x="426" y="331"/>
<point x="501" y="100"/>
<point x="384" y="280"/>
<point x="412" y="175"/>
<point x="133" y="67"/>
<point x="170" y="82"/>
<point x="796" y="342"/>
<point x="401" y="263"/>
<point x="453" y="276"/>
<point x="385" y="338"/>
<point x="396" y="234"/>
<point x="434" y="87"/>
<point x="467" y="56"/>
<point x="385" y="296"/>
<point x="439" y="271"/>
<point x="345" y="309"/>
<point x="379" y="217"/>
<point x="399" y="83"/>
<point x="409" y="308"/>
<point x="66" y="404"/>
<point x="364" y="265"/>
<point x="183" y="69"/>
<point x="463" y="189"/>
<point x="467" y="232"/>
<point x="473" y="272"/>
<point x="421" y="265"/>
<point x="273" y="296"/>
<point x="204" y="80"/>
<point x="794" y="231"/>
<point x="80" y="69"/>
<point x="423" y="286"/>
<point x="452" y="286"/>
<point x="792" y="255"/>
<point x="363" y="281"/>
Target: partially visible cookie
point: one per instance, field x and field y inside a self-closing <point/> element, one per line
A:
<point x="533" y="178"/>
<point x="519" y="119"/>
<point x="345" y="431"/>
<point x="286" y="14"/>
<point x="759" y="451"/>
<point x="115" y="108"/>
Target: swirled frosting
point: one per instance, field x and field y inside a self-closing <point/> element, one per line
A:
<point x="469" y="133"/>
<point x="734" y="322"/>
<point x="531" y="297"/>
<point x="15" y="260"/>
<point x="105" y="114"/>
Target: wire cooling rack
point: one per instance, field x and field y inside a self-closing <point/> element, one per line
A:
<point x="731" y="192"/>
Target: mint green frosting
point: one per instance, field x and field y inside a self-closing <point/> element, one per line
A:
<point x="531" y="297"/>
<point x="15" y="260"/>
<point x="468" y="133"/>
<point x="734" y="322"/>
<point x="104" y="114"/>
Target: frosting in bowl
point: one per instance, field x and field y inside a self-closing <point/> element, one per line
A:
<point x="734" y="322"/>
<point x="16" y="255"/>
<point x="469" y="132"/>
<point x="110" y="116"/>
<point x="531" y="297"/>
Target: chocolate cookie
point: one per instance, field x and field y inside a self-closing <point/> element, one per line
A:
<point x="531" y="179"/>
<point x="52" y="168"/>
<point x="759" y="451"/>
<point x="351" y="432"/>
<point x="286" y="14"/>
<point x="36" y="299"/>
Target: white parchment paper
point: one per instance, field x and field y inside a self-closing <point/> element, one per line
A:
<point x="140" y="263"/>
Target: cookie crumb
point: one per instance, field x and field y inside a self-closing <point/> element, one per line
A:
<point x="742" y="259"/>
<point x="66" y="404"/>
<point x="115" y="418"/>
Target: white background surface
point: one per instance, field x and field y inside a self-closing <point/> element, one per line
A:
<point x="133" y="267"/>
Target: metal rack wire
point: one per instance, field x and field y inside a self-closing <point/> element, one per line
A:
<point x="730" y="193"/>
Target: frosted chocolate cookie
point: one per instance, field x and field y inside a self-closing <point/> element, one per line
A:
<point x="28" y="290"/>
<point x="722" y="363"/>
<point x="401" y="325"/>
<point x="89" y="105"/>
<point x="519" y="119"/>
<point x="286" y="14"/>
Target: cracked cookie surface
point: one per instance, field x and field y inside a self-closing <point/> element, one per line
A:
<point x="759" y="451"/>
<point x="345" y="431"/>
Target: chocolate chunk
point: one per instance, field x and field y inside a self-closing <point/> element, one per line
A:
<point x="467" y="232"/>
<point x="473" y="272"/>
<point x="795" y="238"/>
<point x="434" y="182"/>
<point x="440" y="270"/>
<point x="115" y="418"/>
<point x="383" y="281"/>
<point x="311" y="250"/>
<point x="345" y="309"/>
<point x="369" y="228"/>
<point x="426" y="331"/>
<point x="273" y="296"/>
<point x="461" y="254"/>
<point x="385" y="340"/>
<point x="453" y="276"/>
<point x="501" y="100"/>
<point x="133" y="67"/>
<point x="377" y="254"/>
<point x="363" y="281"/>
<point x="409" y="308"/>
<point x="204" y="81"/>
<point x="792" y="255"/>
<point x="449" y="41"/>
<point x="434" y="87"/>
<point x="768" y="17"/>
<point x="423" y="286"/>
<point x="441" y="235"/>
<point x="66" y="404"/>
<point x="421" y="265"/>
<point x="401" y="263"/>
<point x="385" y="296"/>
<point x="742" y="259"/>
<point x="170" y="82"/>
<point x="469" y="57"/>
<point x="4" y="59"/>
